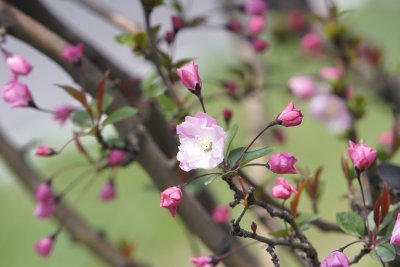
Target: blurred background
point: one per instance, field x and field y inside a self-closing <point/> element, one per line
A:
<point x="135" y="215"/>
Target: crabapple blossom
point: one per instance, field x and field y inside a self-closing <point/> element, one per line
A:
<point x="44" y="192"/>
<point x="301" y="86"/>
<point x="331" y="73"/>
<point x="386" y="139"/>
<point x="221" y="214"/>
<point x="170" y="199"/>
<point x="256" y="24"/>
<point x="177" y="23"/>
<point x="169" y="36"/>
<point x="203" y="261"/>
<point x="259" y="44"/>
<point x="201" y="142"/>
<point x="189" y="76"/>
<point x="256" y="7"/>
<point x="282" y="189"/>
<point x="44" y="209"/>
<point x="395" y="238"/>
<point x="17" y="94"/>
<point x="296" y="21"/>
<point x="44" y="246"/>
<point x="227" y="115"/>
<point x="231" y="86"/>
<point x="282" y="163"/>
<point x="234" y="26"/>
<point x="361" y="155"/>
<point x="108" y="191"/>
<point x="290" y="116"/>
<point x="72" y="53"/>
<point x="335" y="259"/>
<point x="62" y="113"/>
<point x="18" y="65"/>
<point x="44" y="151"/>
<point x="311" y="42"/>
<point x="116" y="157"/>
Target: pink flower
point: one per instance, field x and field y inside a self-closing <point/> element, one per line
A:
<point x="177" y="23"/>
<point x="18" y="65"/>
<point x="73" y="53"/>
<point x="169" y="36"/>
<point x="395" y="239"/>
<point x="290" y="116"/>
<point x="108" y="191"/>
<point x="44" y="209"/>
<point x="62" y="113"/>
<point x="44" y="151"/>
<point x="331" y="73"/>
<point x="311" y="42"/>
<point x="256" y="24"/>
<point x="259" y="44"/>
<point x="170" y="199"/>
<point x="203" y="261"/>
<point x="386" y="139"/>
<point x="282" y="163"/>
<point x="231" y="86"/>
<point x="221" y="214"/>
<point x="296" y="21"/>
<point x="227" y="115"/>
<point x="335" y="259"/>
<point x="201" y="142"/>
<point x="234" y="26"/>
<point x="44" y="246"/>
<point x="116" y="157"/>
<point x="282" y="189"/>
<point x="332" y="111"/>
<point x="17" y="94"/>
<point x="44" y="192"/>
<point x="301" y="86"/>
<point x="256" y="7"/>
<point x="189" y="76"/>
<point x="361" y="155"/>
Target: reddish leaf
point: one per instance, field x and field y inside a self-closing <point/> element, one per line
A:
<point x="254" y="228"/>
<point x="377" y="211"/>
<point x="127" y="248"/>
<point x="100" y="93"/>
<point x="295" y="201"/>
<point x="385" y="203"/>
<point x="79" y="96"/>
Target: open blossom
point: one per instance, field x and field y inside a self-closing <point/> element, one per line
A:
<point x="311" y="42"/>
<point x="201" y="142"/>
<point x="301" y="86"/>
<point x="282" y="189"/>
<point x="44" y="209"/>
<point x="259" y="44"/>
<point x="361" y="155"/>
<point x="170" y="199"/>
<point x="332" y="111"/>
<point x="395" y="238"/>
<point x="17" y="94"/>
<point x="44" y="192"/>
<point x="62" y="113"/>
<point x="18" y="65"/>
<point x="189" y="76"/>
<point x="44" y="246"/>
<point x="282" y="163"/>
<point x="290" y="116"/>
<point x="44" y="151"/>
<point x="116" y="157"/>
<point x="203" y="261"/>
<point x="221" y="214"/>
<point x="256" y="7"/>
<point x="331" y="73"/>
<point x="256" y="24"/>
<point x="108" y="191"/>
<point x="73" y="53"/>
<point x="335" y="259"/>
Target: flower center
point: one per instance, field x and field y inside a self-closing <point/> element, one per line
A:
<point x="205" y="144"/>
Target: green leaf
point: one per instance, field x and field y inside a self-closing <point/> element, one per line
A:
<point x="210" y="178"/>
<point x="107" y="101"/>
<point x="81" y="119"/>
<point x="231" y="135"/>
<point x="119" y="115"/>
<point x="303" y="221"/>
<point x="182" y="62"/>
<point x="126" y="39"/>
<point x="235" y="154"/>
<point x="351" y="223"/>
<point x="385" y="252"/>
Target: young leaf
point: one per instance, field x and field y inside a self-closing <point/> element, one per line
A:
<point x="126" y="39"/>
<point x="350" y="222"/>
<point x="228" y="141"/>
<point x="119" y="115"/>
<point x="77" y="95"/>
<point x="81" y="119"/>
<point x="294" y="203"/>
<point x="385" y="252"/>
<point x="235" y="155"/>
<point x="100" y="94"/>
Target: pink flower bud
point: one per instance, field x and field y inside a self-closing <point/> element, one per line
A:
<point x="177" y="23"/>
<point x="44" y="192"/>
<point x="282" y="163"/>
<point x="17" y="94"/>
<point x="44" y="151"/>
<point x="234" y="26"/>
<point x="331" y="74"/>
<point x="169" y="36"/>
<point x="290" y="116"/>
<point x="227" y="115"/>
<point x="256" y="7"/>
<point x="386" y="139"/>
<point x="335" y="259"/>
<point x="73" y="53"/>
<point x="256" y="24"/>
<point x="259" y="44"/>
<point x="44" y="246"/>
<point x="108" y="191"/>
<point x="203" y="261"/>
<point x="279" y="136"/>
<point x="231" y="86"/>
<point x="311" y="42"/>
<point x="189" y="76"/>
<point x="116" y="157"/>
<point x="361" y="155"/>
<point x="18" y="65"/>
<point x="395" y="239"/>
<point x="301" y="86"/>
<point x="282" y="189"/>
<point x="296" y="21"/>
<point x="44" y="209"/>
<point x="62" y="113"/>
<point x="221" y="214"/>
<point x="170" y="199"/>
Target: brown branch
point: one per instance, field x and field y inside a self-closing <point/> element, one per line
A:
<point x="150" y="157"/>
<point x="74" y="224"/>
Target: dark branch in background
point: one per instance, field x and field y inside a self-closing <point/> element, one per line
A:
<point x="76" y="226"/>
<point x="150" y="157"/>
